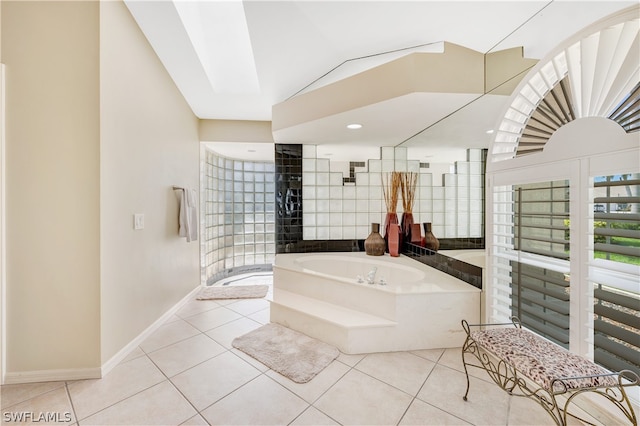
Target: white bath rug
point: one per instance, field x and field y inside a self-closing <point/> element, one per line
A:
<point x="288" y="352"/>
<point x="233" y="292"/>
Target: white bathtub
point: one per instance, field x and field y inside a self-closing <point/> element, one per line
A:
<point x="401" y="274"/>
<point x="420" y="307"/>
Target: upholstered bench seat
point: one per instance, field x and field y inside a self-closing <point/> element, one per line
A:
<point x="541" y="360"/>
<point x="525" y="364"/>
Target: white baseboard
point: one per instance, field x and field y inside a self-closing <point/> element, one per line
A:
<point x="63" y="375"/>
<point x="124" y="352"/>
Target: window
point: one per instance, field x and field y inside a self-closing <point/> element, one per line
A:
<point x="614" y="271"/>
<point x="534" y="228"/>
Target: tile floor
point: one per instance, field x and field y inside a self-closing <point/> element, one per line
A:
<point x="187" y="373"/>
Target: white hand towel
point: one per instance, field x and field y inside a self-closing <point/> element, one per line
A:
<point x="188" y="216"/>
<point x="192" y="213"/>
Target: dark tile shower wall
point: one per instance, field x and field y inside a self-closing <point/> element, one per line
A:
<point x="288" y="180"/>
<point x="289" y="235"/>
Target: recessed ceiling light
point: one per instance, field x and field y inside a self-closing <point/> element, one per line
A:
<point x="354" y="126"/>
<point x="489" y="131"/>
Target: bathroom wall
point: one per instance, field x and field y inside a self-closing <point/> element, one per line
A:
<point x="52" y="185"/>
<point x="238" y="216"/>
<point x="149" y="143"/>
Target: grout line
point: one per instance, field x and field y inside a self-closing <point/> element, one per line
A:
<point x="73" y="407"/>
<point x="125" y="398"/>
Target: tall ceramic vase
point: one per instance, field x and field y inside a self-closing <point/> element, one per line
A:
<point x="390" y="219"/>
<point x="430" y="240"/>
<point x="394" y="240"/>
<point x="416" y="234"/>
<point x="375" y="245"/>
<point x="406" y="224"/>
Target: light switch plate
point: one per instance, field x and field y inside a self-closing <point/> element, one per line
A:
<point x="138" y="221"/>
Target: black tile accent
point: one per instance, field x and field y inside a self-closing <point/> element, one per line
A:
<point x="464" y="271"/>
<point x="318" y="246"/>
<point x="288" y="192"/>
<point x="461" y="243"/>
<point x="352" y="171"/>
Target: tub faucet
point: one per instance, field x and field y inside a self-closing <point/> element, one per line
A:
<point x="371" y="276"/>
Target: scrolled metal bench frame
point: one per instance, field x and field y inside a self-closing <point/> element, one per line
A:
<point x="508" y="378"/>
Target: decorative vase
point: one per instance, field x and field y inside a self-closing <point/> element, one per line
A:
<point x="391" y="218"/>
<point x="406" y="224"/>
<point x="375" y="245"/>
<point x="394" y="239"/>
<point x="430" y="240"/>
<point x="416" y="235"/>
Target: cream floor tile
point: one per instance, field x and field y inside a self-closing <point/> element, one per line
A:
<point x="195" y="421"/>
<point x="422" y="414"/>
<point x="263" y="316"/>
<point x="430" y="354"/>
<point x="125" y="380"/>
<point x="194" y="307"/>
<point x="360" y="399"/>
<point x="313" y="417"/>
<point x="213" y="318"/>
<point x="249" y="306"/>
<point x="487" y="404"/>
<point x="185" y="354"/>
<point x="350" y="360"/>
<point x="225" y="302"/>
<point x="161" y="404"/>
<point x="48" y="408"/>
<point x="524" y="411"/>
<point x="312" y="390"/>
<point x="168" y="334"/>
<point x="136" y="353"/>
<point x="225" y="333"/>
<point x="214" y="379"/>
<point x="14" y="394"/>
<point x="260" y="402"/>
<point x="254" y="362"/>
<point x="402" y="370"/>
<point x="452" y="358"/>
<point x="172" y="318"/>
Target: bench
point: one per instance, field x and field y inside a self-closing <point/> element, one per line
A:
<point x="524" y="364"/>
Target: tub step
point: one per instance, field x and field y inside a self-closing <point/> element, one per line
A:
<point x="336" y="314"/>
<point x="349" y="330"/>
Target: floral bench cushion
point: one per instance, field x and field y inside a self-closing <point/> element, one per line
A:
<point x="541" y="360"/>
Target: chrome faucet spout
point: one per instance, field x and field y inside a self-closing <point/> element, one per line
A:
<point x="371" y="276"/>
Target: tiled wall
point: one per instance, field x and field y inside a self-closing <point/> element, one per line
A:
<point x="239" y="216"/>
<point x="288" y="196"/>
<point x="253" y="210"/>
<point x="464" y="271"/>
<point x="339" y="205"/>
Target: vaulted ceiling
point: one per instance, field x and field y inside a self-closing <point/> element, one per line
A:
<point x="240" y="60"/>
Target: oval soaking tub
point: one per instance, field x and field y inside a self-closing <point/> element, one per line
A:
<point x="339" y="298"/>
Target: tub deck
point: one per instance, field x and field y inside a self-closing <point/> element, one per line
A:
<point x="358" y="317"/>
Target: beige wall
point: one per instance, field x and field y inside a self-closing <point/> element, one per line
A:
<point x="235" y="131"/>
<point x="52" y="156"/>
<point x="96" y="131"/>
<point x="149" y="142"/>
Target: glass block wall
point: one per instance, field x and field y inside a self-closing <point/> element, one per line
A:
<point x="239" y="216"/>
<point x="338" y="207"/>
